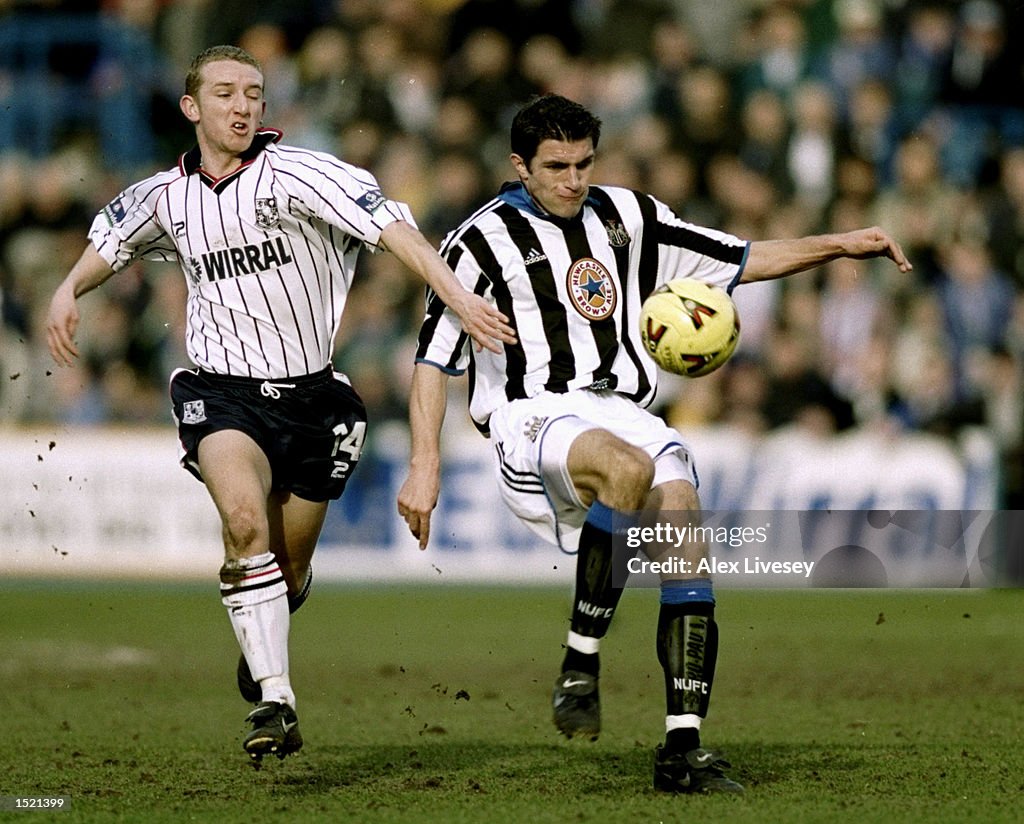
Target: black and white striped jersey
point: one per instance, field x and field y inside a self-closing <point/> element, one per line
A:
<point x="573" y="289"/>
<point x="269" y="251"/>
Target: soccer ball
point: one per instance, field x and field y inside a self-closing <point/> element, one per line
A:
<point x="689" y="327"/>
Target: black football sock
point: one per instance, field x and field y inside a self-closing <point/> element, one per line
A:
<point x="299" y="598"/>
<point x="596" y="594"/>
<point x="687" y="651"/>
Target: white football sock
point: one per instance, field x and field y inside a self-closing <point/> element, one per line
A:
<point x="254" y="591"/>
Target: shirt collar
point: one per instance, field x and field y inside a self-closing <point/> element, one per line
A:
<point x="515" y="194"/>
<point x="192" y="159"/>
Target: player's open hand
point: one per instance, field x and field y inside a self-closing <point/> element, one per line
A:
<point x="61" y="325"/>
<point x="488" y="327"/>
<point x="416" y="501"/>
<point x="876" y="242"/>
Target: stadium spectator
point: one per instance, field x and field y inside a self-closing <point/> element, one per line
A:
<point x="380" y="49"/>
<point x="14" y="353"/>
<point x="485" y="72"/>
<point x="705" y="128"/>
<point x="977" y="301"/>
<point x="517" y="20"/>
<point x="268" y="43"/>
<point x="851" y="311"/>
<point x="920" y="203"/>
<point x="1003" y="207"/>
<point x="329" y="83"/>
<point x="923" y="49"/>
<point x="979" y="93"/>
<point x="784" y="58"/>
<point x="267" y="236"/>
<point x="544" y="61"/>
<point x="743" y="392"/>
<point x="622" y="92"/>
<point x="999" y="380"/>
<point x="856" y="191"/>
<point x="15" y="300"/>
<point x="872" y="131"/>
<point x="863" y="50"/>
<point x="673" y="51"/>
<point x="578" y="457"/>
<point x="458" y="186"/>
<point x="764" y="146"/>
<point x="798" y="391"/>
<point x="814" y="145"/>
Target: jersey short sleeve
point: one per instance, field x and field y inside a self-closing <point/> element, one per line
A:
<point x="689" y="251"/>
<point x="127" y="228"/>
<point x="337" y="193"/>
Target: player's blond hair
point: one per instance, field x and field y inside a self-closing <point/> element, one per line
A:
<point x="214" y="53"/>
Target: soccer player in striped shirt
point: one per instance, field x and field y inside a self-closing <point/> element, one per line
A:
<point x="267" y="236"/>
<point x="577" y="455"/>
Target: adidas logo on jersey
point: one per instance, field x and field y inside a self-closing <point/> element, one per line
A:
<point x="533" y="256"/>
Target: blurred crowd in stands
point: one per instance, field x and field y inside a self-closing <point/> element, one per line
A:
<point x="766" y="118"/>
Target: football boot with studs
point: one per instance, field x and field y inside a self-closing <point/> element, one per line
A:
<point x="576" y="705"/>
<point x="697" y="771"/>
<point x="275" y="731"/>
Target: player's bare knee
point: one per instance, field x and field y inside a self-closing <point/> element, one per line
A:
<point x="245" y="533"/>
<point x="635" y="467"/>
<point x="629" y="477"/>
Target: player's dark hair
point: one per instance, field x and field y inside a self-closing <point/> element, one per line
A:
<point x="211" y="55"/>
<point x="551" y="117"/>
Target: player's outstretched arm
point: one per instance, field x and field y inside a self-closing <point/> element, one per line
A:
<point x="418" y="495"/>
<point x="769" y="259"/>
<point x="484" y="323"/>
<point x="62" y="319"/>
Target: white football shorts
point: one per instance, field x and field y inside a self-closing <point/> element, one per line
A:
<point x="532" y="438"/>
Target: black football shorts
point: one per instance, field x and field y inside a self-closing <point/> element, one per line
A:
<point x="311" y="428"/>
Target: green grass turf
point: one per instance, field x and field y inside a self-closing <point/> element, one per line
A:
<point x="430" y="703"/>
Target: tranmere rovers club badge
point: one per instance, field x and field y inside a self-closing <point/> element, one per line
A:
<point x="193" y="412"/>
<point x="591" y="289"/>
<point x="266" y="213"/>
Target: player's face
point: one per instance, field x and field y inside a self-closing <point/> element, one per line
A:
<point x="228" y="107"/>
<point x="558" y="177"/>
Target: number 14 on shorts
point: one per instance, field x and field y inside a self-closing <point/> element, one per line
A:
<point x="348" y="442"/>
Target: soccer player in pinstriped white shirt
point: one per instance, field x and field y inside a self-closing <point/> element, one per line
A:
<point x="576" y="454"/>
<point x="267" y="236"/>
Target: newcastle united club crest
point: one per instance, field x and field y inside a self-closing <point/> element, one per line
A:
<point x="617" y="234"/>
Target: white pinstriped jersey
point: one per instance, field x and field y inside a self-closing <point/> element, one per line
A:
<point x="573" y="289"/>
<point x="268" y="251"/>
